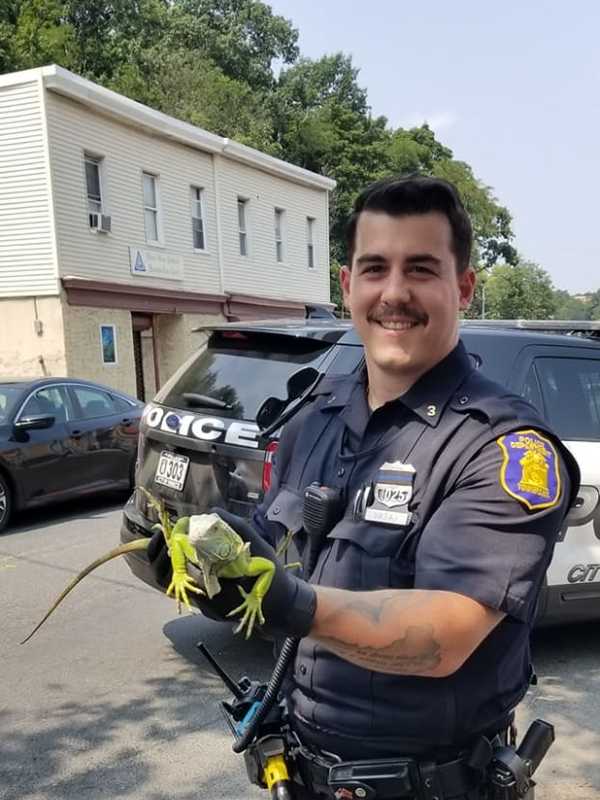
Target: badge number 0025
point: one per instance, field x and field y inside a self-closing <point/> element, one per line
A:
<point x="391" y="493"/>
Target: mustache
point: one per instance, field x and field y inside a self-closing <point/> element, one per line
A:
<point x="386" y="313"/>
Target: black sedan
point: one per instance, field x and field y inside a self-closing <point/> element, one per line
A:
<point x="61" y="438"/>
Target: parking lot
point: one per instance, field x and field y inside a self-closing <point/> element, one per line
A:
<point x="111" y="698"/>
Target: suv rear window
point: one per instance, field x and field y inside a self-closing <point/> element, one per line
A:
<point x="570" y="392"/>
<point x="242" y="369"/>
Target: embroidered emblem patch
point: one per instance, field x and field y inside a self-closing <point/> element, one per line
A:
<point x="529" y="471"/>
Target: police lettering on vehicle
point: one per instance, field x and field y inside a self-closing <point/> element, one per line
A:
<point x="207" y="429"/>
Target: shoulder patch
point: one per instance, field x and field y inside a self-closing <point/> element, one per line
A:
<point x="529" y="470"/>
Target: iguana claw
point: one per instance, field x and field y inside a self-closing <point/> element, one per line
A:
<point x="181" y="551"/>
<point x="252" y="608"/>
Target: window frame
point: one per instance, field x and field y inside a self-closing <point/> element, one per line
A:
<point x="198" y="201"/>
<point x="62" y="388"/>
<point x="154" y="209"/>
<point x="98" y="161"/>
<point x="114" y="363"/>
<point x="243" y="203"/>
<point x="310" y="243"/>
<point x="90" y="388"/>
<point x="279" y="234"/>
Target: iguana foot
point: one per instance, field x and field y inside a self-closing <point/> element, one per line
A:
<point x="181" y="551"/>
<point x="179" y="587"/>
<point x="252" y="608"/>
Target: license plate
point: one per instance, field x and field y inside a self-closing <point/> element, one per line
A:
<point x="171" y="470"/>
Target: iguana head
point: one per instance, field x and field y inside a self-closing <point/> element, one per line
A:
<point x="214" y="540"/>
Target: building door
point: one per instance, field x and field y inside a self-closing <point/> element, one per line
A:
<point x="139" y="365"/>
<point x="145" y="354"/>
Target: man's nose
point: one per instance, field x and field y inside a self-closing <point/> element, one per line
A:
<point x="396" y="288"/>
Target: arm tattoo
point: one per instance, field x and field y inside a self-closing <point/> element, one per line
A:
<point x="415" y="653"/>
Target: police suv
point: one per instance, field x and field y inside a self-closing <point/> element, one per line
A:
<point x="200" y="444"/>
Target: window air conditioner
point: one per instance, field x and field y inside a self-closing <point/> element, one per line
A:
<point x="100" y="223"/>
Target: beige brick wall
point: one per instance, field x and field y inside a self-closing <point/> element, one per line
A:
<point x="84" y="352"/>
<point x="24" y="352"/>
<point x="177" y="341"/>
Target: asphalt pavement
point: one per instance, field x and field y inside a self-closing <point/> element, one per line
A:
<point x="112" y="699"/>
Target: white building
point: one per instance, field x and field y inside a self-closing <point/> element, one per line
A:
<point x="122" y="229"/>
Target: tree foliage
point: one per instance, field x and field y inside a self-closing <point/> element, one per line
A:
<point x="523" y="291"/>
<point x="211" y="62"/>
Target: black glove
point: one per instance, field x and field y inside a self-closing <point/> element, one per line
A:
<point x="217" y="608"/>
<point x="290" y="603"/>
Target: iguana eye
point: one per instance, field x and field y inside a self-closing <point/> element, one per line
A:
<point x="224" y="550"/>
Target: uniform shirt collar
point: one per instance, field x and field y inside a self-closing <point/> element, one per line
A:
<point x="432" y="392"/>
<point x="427" y="398"/>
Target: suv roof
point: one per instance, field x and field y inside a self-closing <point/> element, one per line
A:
<point x="338" y="330"/>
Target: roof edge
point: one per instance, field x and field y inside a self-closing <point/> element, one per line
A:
<point x="62" y="81"/>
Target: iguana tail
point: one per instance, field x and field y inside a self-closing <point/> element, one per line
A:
<point x="138" y="544"/>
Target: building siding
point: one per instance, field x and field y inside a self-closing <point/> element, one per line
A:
<point x="259" y="273"/>
<point x="27" y="265"/>
<point x="75" y="130"/>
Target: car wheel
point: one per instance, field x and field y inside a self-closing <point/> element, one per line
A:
<point x="5" y="503"/>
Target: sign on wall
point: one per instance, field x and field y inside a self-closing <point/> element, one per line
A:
<point x="153" y="264"/>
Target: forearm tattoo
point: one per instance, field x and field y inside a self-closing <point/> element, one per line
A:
<point x="414" y="654"/>
<point x="350" y="618"/>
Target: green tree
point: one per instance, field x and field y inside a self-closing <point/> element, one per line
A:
<point x="569" y="307"/>
<point x="523" y="291"/>
<point x="190" y="87"/>
<point x="242" y="37"/>
<point x="323" y="123"/>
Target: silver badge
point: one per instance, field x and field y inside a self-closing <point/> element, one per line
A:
<point x="392" y="492"/>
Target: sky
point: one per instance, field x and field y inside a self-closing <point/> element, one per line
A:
<point x="513" y="88"/>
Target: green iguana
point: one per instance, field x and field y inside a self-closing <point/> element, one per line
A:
<point x="209" y="543"/>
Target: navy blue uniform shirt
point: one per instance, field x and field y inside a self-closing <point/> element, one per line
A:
<point x="488" y="485"/>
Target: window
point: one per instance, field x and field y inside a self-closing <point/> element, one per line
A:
<point x="108" y="344"/>
<point x="242" y="206"/>
<point x="51" y="401"/>
<point x="197" y="218"/>
<point x="310" y="243"/>
<point x="151" y="223"/>
<point x="570" y="388"/>
<point x="93" y="402"/>
<point x="93" y="182"/>
<point x="279" y="220"/>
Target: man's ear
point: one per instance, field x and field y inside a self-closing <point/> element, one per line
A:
<point x="466" y="286"/>
<point x="345" y="285"/>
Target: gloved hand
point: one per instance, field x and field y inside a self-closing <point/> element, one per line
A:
<point x="290" y="603"/>
<point x="217" y="608"/>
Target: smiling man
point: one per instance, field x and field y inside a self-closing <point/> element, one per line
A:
<point x="416" y="618"/>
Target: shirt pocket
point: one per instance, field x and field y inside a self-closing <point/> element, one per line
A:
<point x="365" y="555"/>
<point x="286" y="514"/>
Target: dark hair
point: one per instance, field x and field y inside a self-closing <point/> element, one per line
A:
<point x="415" y="194"/>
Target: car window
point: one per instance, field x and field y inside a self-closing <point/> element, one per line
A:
<point x="93" y="402"/>
<point x="242" y="369"/>
<point x="50" y="400"/>
<point x="571" y="392"/>
<point x="531" y="390"/>
<point x="120" y="404"/>
<point x="9" y="396"/>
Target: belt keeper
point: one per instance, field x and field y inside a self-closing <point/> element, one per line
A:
<point x="430" y="781"/>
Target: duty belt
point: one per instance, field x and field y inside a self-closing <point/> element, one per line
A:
<point x="384" y="779"/>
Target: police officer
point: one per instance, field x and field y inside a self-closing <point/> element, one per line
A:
<point x="416" y="618"/>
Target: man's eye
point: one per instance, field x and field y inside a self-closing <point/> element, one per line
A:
<point x="373" y="268"/>
<point x="421" y="269"/>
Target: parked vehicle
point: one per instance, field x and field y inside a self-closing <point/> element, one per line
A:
<point x="62" y="438"/>
<point x="200" y="444"/>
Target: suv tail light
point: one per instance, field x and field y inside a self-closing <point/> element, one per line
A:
<point x="270" y="451"/>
